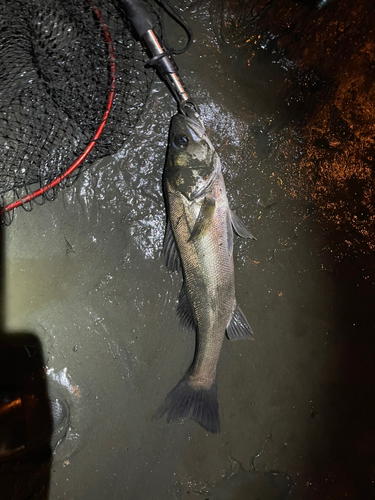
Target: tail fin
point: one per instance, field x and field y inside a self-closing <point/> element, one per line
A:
<point x="200" y="405"/>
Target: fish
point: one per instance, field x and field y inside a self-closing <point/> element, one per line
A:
<point x="199" y="243"/>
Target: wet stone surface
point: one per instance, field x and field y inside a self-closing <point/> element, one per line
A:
<point x="85" y="274"/>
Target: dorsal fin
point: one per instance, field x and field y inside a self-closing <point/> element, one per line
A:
<point x="170" y="252"/>
<point x="185" y="311"/>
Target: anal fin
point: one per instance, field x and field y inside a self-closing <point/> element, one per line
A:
<point x="239" y="327"/>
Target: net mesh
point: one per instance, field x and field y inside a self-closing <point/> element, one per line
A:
<point x="54" y="86"/>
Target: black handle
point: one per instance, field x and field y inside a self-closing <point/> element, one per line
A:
<point x="139" y="15"/>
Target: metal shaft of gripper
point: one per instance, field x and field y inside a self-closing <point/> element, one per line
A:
<point x="143" y="23"/>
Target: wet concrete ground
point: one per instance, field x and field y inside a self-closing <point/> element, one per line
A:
<point x="85" y="275"/>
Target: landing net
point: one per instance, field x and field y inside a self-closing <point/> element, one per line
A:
<point x="73" y="84"/>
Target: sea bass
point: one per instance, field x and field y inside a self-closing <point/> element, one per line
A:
<point x="199" y="241"/>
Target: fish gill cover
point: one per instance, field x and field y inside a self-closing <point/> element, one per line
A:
<point x="54" y="87"/>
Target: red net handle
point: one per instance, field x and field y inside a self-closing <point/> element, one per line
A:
<point x="111" y="94"/>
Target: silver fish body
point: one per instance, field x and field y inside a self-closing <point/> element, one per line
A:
<point x="199" y="240"/>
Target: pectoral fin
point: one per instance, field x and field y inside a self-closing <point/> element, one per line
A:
<point x="240" y="227"/>
<point x="205" y="219"/>
<point x="172" y="258"/>
<point x="238" y="327"/>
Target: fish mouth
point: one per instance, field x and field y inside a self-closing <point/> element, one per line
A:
<point x="195" y="132"/>
<point x="193" y="123"/>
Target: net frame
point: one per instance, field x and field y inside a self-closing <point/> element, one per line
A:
<point x="121" y="110"/>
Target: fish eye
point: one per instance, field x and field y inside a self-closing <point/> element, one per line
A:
<point x="181" y="141"/>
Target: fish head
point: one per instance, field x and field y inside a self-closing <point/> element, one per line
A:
<point x="191" y="161"/>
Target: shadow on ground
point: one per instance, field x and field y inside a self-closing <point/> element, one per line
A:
<point x="25" y="412"/>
